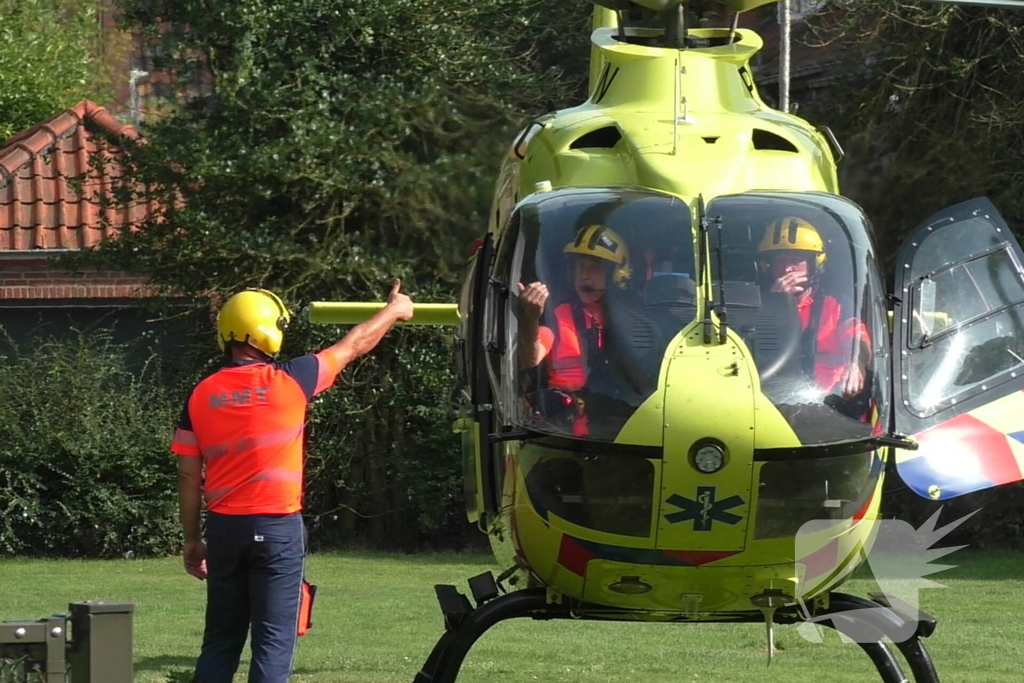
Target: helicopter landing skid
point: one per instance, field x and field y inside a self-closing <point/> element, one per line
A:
<point x="868" y="622"/>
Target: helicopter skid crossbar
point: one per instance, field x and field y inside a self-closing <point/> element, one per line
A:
<point x="870" y="623"/>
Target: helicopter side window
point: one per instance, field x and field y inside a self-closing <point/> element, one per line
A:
<point x="967" y="331"/>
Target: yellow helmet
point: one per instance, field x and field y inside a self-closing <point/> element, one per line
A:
<point x="603" y="243"/>
<point x="793" y="234"/>
<point x="256" y="317"/>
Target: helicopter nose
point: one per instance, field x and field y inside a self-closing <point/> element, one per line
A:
<point x="708" y="449"/>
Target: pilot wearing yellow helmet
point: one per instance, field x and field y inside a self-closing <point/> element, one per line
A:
<point x="599" y="261"/>
<point x="239" y="443"/>
<point x="791" y="258"/>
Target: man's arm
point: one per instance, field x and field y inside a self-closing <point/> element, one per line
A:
<point x="364" y="337"/>
<point x="190" y="500"/>
<point x="531" y="350"/>
<point x="853" y="329"/>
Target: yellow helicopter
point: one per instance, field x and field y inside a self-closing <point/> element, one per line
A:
<point x="649" y="416"/>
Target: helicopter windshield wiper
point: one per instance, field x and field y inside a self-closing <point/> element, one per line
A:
<point x="509" y="434"/>
<point x="722" y="315"/>
<point x="702" y="235"/>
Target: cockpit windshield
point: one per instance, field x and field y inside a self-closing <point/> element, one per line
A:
<point x="797" y="278"/>
<point x="600" y="281"/>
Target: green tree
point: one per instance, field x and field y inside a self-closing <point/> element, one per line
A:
<point x="84" y="469"/>
<point x="53" y="54"/>
<point x="326" y="147"/>
<point x="329" y="143"/>
<point x="928" y="103"/>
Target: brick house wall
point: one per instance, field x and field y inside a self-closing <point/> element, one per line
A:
<point x="42" y="279"/>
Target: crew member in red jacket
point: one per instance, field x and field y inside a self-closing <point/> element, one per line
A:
<point x="792" y="258"/>
<point x="576" y="338"/>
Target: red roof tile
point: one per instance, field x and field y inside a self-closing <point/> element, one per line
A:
<point x="49" y="191"/>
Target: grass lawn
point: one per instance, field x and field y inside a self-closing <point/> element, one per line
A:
<point x="376" y="619"/>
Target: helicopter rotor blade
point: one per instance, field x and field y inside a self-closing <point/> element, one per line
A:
<point x="661" y="5"/>
<point x="744" y="5"/>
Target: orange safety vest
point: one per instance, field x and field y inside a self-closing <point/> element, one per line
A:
<point x="568" y="349"/>
<point x="835" y="337"/>
<point x="247" y="422"/>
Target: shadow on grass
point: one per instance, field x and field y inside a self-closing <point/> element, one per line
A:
<point x="179" y="676"/>
<point x="473" y="558"/>
<point x="165" y="662"/>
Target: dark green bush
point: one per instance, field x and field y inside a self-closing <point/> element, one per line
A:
<point x="84" y="462"/>
<point x="997" y="520"/>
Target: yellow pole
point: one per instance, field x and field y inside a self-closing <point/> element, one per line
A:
<point x="345" y="313"/>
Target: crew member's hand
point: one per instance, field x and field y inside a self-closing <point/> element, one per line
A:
<point x="533" y="298"/>
<point x="195" y="559"/>
<point x="399" y="303"/>
<point x="790" y="283"/>
<point x="853" y="381"/>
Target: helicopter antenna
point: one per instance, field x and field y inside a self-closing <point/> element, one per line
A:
<point x="675" y="109"/>
<point x="723" y="328"/>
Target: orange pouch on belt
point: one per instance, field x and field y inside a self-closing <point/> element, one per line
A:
<point x="306" y="607"/>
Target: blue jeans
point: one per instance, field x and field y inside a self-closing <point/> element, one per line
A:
<point x="254" y="578"/>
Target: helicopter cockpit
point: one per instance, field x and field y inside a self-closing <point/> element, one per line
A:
<point x="619" y="278"/>
<point x="797" y="277"/>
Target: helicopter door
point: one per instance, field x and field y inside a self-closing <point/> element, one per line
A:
<point x="480" y="387"/>
<point x="958" y="361"/>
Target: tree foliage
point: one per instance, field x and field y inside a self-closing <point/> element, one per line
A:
<point x="328" y="146"/>
<point x="53" y="54"/>
<point x="332" y="144"/>
<point x="84" y="469"/>
<point x="928" y="102"/>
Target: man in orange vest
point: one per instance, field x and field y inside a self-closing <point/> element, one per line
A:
<point x="792" y="258"/>
<point x="600" y="261"/>
<point x="243" y="425"/>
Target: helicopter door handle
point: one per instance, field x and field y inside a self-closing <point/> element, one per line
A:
<point x="895" y="441"/>
<point x="522" y="139"/>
